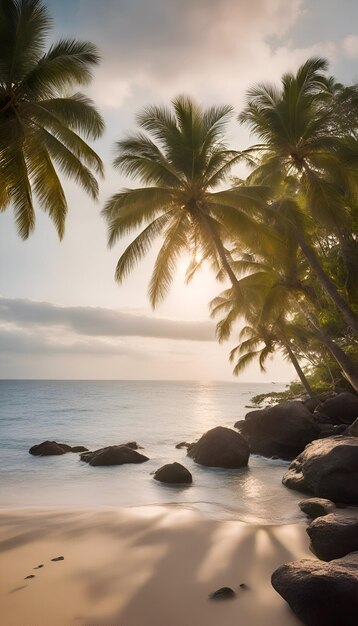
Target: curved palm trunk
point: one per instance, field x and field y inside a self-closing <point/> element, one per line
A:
<point x="298" y="369"/>
<point x="349" y="317"/>
<point x="348" y="367"/>
<point x="349" y="253"/>
<point x="220" y="250"/>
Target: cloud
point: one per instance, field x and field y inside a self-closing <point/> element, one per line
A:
<point x="350" y="46"/>
<point x="209" y="48"/>
<point x="28" y="315"/>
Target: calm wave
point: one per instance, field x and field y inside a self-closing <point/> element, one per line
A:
<point x="157" y="415"/>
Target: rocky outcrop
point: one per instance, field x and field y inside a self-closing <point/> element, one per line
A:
<point x="327" y="468"/>
<point x="173" y="473"/>
<point x="341" y="409"/>
<point x="333" y="536"/>
<point x="316" y="507"/>
<point x="282" y="430"/>
<point x="113" y="455"/>
<point x="321" y="594"/>
<point x="52" y="448"/>
<point x="220" y="447"/>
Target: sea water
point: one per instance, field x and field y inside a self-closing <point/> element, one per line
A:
<point x="156" y="414"/>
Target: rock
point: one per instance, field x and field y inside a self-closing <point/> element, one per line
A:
<point x="343" y="407"/>
<point x="113" y="455"/>
<point x="327" y="468"/>
<point x="331" y="430"/>
<point x="173" y="473"/>
<point x="39" y="566"/>
<point x="30" y="576"/>
<point x="282" y="430"/>
<point x="320" y="418"/>
<point x="52" y="448"/>
<point x="224" y="593"/>
<point x="321" y="594"/>
<point x="333" y="536"/>
<point x="182" y="444"/>
<point x="58" y="558"/>
<point x="220" y="447"/>
<point x="133" y="444"/>
<point x="316" y="507"/>
<point x="244" y="587"/>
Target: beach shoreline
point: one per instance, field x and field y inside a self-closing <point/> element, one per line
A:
<point x="141" y="566"/>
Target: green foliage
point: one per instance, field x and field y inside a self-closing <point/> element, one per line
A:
<point x="40" y="122"/>
<point x="285" y="237"/>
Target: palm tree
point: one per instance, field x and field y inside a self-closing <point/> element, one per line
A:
<point x="180" y="157"/>
<point x="260" y="342"/>
<point x="299" y="145"/>
<point x="42" y="127"/>
<point x="273" y="292"/>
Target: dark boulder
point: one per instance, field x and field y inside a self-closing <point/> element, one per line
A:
<point x="182" y="444"/>
<point x="333" y="536"/>
<point x="327" y="468"/>
<point x="320" y="594"/>
<point x="113" y="455"/>
<point x="343" y="408"/>
<point x="173" y="473"/>
<point x="316" y="507"/>
<point x="220" y="447"/>
<point x="282" y="430"/>
<point x="52" y="448"/>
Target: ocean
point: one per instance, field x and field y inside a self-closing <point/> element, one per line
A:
<point x="156" y="414"/>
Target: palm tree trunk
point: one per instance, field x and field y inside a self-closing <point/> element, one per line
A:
<point x="299" y="371"/>
<point x="349" y="253"/>
<point x="348" y="367"/>
<point x="220" y="250"/>
<point x="349" y="317"/>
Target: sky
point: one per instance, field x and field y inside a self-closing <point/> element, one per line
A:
<point x="61" y="313"/>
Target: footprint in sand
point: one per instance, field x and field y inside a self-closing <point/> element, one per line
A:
<point x="31" y="576"/>
<point x="58" y="558"/>
<point x="39" y="566"/>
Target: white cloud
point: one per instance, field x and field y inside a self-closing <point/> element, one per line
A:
<point x="350" y="46"/>
<point x="211" y="49"/>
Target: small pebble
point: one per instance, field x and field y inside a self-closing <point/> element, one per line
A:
<point x="31" y="576"/>
<point x="224" y="593"/>
<point x="39" y="566"/>
<point x="243" y="586"/>
<point x="58" y="558"/>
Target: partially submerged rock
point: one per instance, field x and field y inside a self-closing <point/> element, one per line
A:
<point x="182" y="444"/>
<point x="282" y="430"/>
<point x="173" y="473"/>
<point x="113" y="455"/>
<point x="220" y="447"/>
<point x="316" y="507"/>
<point x="52" y="448"/>
<point x="321" y="594"/>
<point x="327" y="468"/>
<point x="333" y="536"/>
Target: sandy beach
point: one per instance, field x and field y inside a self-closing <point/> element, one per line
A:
<point x="147" y="566"/>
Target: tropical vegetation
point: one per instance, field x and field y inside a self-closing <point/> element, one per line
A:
<point x="285" y="238"/>
<point x="44" y="125"/>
